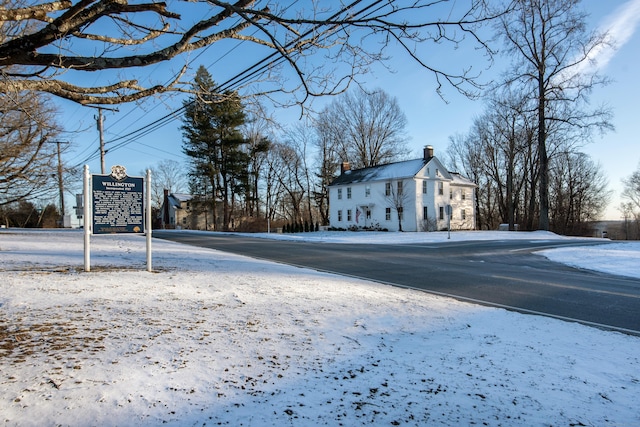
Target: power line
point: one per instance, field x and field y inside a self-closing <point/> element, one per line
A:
<point x="270" y="60"/>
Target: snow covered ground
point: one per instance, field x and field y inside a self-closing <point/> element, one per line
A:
<point x="212" y="338"/>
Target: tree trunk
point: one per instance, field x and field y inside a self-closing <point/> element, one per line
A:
<point x="543" y="223"/>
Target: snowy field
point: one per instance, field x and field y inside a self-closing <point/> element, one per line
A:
<point x="212" y="339"/>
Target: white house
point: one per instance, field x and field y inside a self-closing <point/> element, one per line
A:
<point x="413" y="195"/>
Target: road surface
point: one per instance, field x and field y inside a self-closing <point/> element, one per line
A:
<point x="504" y="274"/>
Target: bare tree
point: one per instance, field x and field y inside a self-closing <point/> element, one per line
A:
<point x="578" y="191"/>
<point x="465" y="156"/>
<point x="397" y="198"/>
<point x="366" y="128"/>
<point x="285" y="183"/>
<point x="327" y="163"/>
<point x="300" y="140"/>
<point x="167" y="175"/>
<point x="494" y="155"/>
<point x="256" y="128"/>
<point x="631" y="191"/>
<point x="45" y="46"/>
<point x="631" y="205"/>
<point x="27" y="161"/>
<point x="552" y="52"/>
<point x="631" y="218"/>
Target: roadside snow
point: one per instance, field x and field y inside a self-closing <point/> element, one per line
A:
<point x="622" y="259"/>
<point x="380" y="237"/>
<point x="218" y="339"/>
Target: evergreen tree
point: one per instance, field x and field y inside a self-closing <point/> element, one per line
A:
<point x="213" y="141"/>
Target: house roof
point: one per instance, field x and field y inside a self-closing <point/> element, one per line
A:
<point x="405" y="169"/>
<point x="182" y="197"/>
<point x="398" y="170"/>
<point x="175" y="199"/>
<point x="461" y="180"/>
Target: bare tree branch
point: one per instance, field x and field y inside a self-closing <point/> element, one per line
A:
<point x="38" y="12"/>
<point x="324" y="48"/>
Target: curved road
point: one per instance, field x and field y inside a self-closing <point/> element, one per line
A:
<point x="498" y="273"/>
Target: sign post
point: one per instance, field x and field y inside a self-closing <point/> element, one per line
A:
<point x="87" y="220"/>
<point x="115" y="203"/>
<point x="148" y="223"/>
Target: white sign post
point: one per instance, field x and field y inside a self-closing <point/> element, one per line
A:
<point x="87" y="219"/>
<point x="148" y="223"/>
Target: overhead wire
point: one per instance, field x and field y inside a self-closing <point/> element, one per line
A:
<point x="161" y="121"/>
<point x="96" y="151"/>
<point x="229" y="84"/>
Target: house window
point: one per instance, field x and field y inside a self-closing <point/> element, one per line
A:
<point x="437" y="172"/>
<point x="339" y="216"/>
<point x="399" y="188"/>
<point x="348" y="215"/>
<point x="368" y="213"/>
<point x="463" y="214"/>
<point x="450" y="194"/>
<point x="424" y="187"/>
<point x="184" y="220"/>
<point x="339" y="193"/>
<point x="348" y="192"/>
<point x="400" y="213"/>
<point x="463" y="195"/>
<point x="367" y="191"/>
<point x="425" y="212"/>
<point x="387" y="214"/>
<point x="441" y="211"/>
<point x="387" y="189"/>
<point x="440" y="188"/>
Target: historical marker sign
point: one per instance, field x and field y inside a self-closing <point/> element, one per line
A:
<point x="118" y="203"/>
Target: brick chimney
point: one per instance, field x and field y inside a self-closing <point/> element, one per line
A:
<point x="165" y="206"/>
<point x="428" y="152"/>
<point x="345" y="166"/>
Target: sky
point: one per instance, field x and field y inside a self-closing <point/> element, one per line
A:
<point x="212" y="338"/>
<point x="431" y="120"/>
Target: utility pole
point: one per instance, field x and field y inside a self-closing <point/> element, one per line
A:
<point x="60" y="184"/>
<point x="60" y="180"/>
<point x="101" y="131"/>
<point x="100" y="122"/>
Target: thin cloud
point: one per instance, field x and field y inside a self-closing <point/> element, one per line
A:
<point x="620" y="27"/>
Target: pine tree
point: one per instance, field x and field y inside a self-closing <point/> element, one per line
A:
<point x="213" y="141"/>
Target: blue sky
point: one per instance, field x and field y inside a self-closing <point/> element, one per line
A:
<point x="430" y="120"/>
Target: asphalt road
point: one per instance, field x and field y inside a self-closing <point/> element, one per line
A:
<point x="498" y="273"/>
